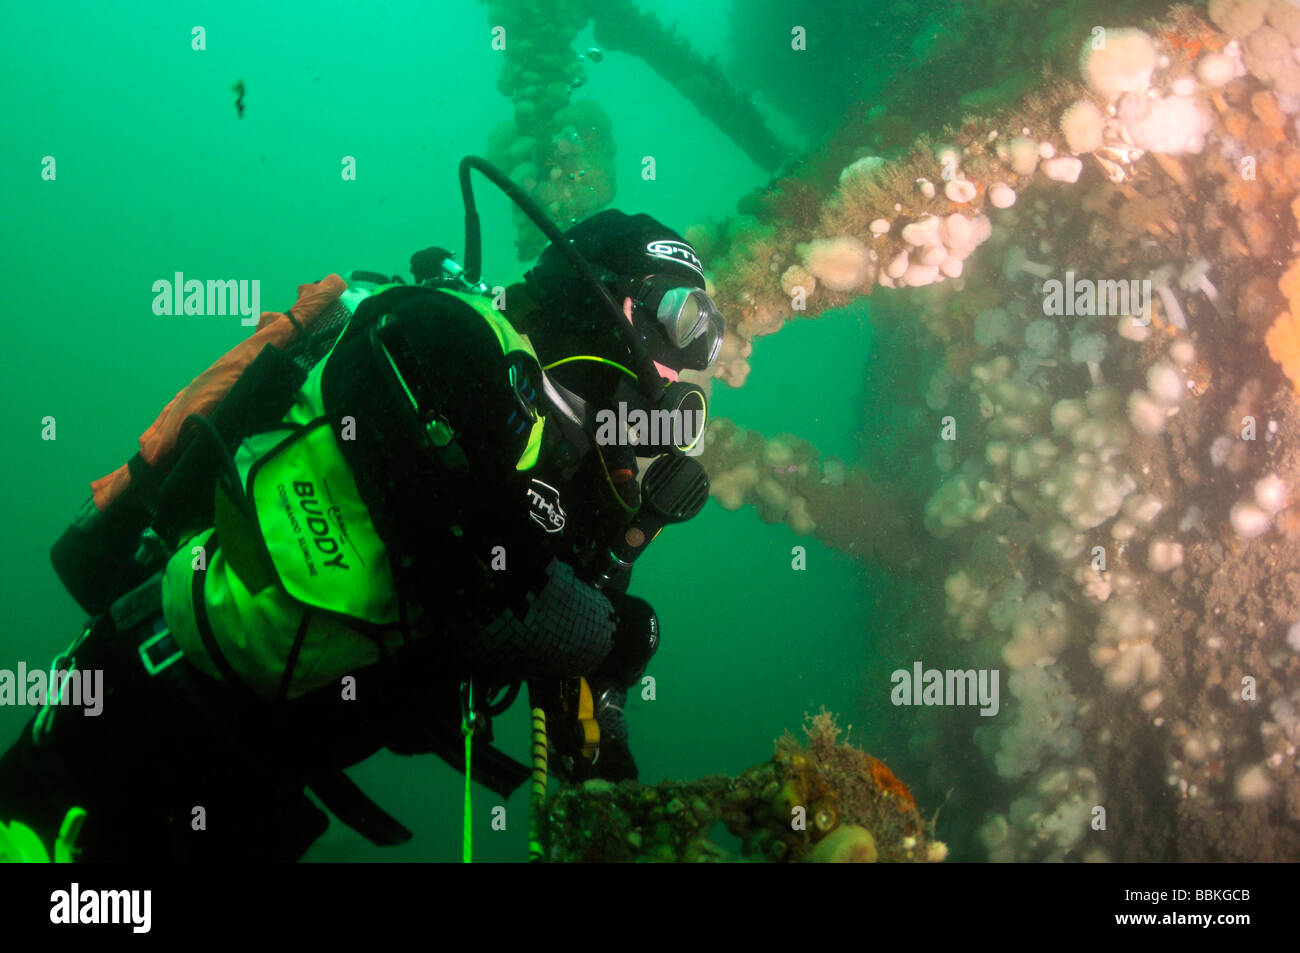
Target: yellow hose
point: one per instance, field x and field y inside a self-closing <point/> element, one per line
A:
<point x="537" y="796"/>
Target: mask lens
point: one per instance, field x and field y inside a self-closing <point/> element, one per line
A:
<point x="717" y="328"/>
<point x="685" y="313"/>
<point x="678" y="314"/>
<point x="701" y="354"/>
<point x="691" y="321"/>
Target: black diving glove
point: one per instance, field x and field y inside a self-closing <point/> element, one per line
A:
<point x="636" y="639"/>
<point x="615" y="762"/>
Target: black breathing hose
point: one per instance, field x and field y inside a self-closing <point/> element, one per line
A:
<point x="648" y="380"/>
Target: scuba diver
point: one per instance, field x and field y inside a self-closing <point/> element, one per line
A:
<point x="367" y="527"/>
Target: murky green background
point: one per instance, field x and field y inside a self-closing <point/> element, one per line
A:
<point x="155" y="174"/>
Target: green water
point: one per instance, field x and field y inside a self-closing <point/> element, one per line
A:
<point x="156" y="174"/>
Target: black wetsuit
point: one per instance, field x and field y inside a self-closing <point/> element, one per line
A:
<point x="168" y="742"/>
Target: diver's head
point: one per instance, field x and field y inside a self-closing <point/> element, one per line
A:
<point x="651" y="271"/>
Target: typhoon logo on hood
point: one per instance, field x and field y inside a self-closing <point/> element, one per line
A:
<point x="679" y="252"/>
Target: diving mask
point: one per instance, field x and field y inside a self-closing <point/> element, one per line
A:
<point x="689" y="317"/>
